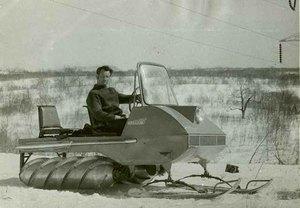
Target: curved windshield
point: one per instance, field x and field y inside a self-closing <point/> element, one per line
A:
<point x="156" y="85"/>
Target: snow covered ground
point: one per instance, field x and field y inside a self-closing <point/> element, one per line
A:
<point x="285" y="179"/>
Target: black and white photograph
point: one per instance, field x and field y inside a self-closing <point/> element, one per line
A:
<point x="149" y="103"/>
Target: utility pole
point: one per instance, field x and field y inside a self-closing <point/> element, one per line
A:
<point x="291" y="38"/>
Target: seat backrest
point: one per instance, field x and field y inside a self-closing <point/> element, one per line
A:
<point x="92" y="121"/>
<point x="48" y="117"/>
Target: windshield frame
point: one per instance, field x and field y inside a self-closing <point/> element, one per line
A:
<point x="140" y="80"/>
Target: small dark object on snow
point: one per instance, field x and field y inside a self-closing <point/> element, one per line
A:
<point x="232" y="168"/>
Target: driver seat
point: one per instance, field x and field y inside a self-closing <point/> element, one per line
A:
<point x="96" y="132"/>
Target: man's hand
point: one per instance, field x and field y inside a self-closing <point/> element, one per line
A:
<point x="138" y="98"/>
<point x="120" y="116"/>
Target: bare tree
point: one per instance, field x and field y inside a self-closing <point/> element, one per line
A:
<point x="258" y="146"/>
<point x="244" y="95"/>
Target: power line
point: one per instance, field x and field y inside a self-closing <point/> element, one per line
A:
<point x="220" y="20"/>
<point x="161" y="32"/>
<point x="278" y="5"/>
<point x="291" y="38"/>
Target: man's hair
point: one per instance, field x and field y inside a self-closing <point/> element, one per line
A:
<point x="104" y="68"/>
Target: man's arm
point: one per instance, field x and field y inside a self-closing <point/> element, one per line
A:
<point x="95" y="107"/>
<point x="129" y="98"/>
<point x="125" y="98"/>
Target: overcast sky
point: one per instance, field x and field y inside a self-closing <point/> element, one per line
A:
<point x="46" y="34"/>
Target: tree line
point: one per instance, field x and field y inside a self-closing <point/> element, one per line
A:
<point x="291" y="74"/>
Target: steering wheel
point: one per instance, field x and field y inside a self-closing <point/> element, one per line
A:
<point x="137" y="100"/>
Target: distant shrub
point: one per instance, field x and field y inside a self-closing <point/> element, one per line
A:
<point x="279" y="112"/>
<point x="12" y="87"/>
<point x="6" y="143"/>
<point x="283" y="101"/>
<point x="41" y="84"/>
<point x="4" y="140"/>
<point x="17" y="102"/>
<point x="70" y="71"/>
<point x="286" y="79"/>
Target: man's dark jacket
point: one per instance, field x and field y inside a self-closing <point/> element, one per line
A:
<point x="103" y="104"/>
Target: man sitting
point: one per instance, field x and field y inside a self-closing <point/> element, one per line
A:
<point x="103" y="103"/>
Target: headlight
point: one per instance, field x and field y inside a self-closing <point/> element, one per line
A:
<point x="198" y="117"/>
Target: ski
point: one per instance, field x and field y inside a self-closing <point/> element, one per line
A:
<point x="246" y="190"/>
<point x="180" y="192"/>
<point x="238" y="190"/>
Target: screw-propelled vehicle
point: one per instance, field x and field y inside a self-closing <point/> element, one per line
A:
<point x="158" y="133"/>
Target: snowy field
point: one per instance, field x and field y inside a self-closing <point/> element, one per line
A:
<point x="268" y="123"/>
<point x="285" y="179"/>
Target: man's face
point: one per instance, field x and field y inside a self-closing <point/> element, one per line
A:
<point x="103" y="77"/>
